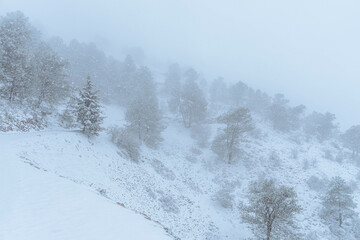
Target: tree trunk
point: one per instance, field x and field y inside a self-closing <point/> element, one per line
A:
<point x="268" y="228"/>
<point x="230" y="157"/>
<point x="268" y="233"/>
<point x="340" y="219"/>
<point x="11" y="94"/>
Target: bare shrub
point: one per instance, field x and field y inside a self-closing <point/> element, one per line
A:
<point x="125" y="139"/>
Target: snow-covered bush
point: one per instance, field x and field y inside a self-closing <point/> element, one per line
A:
<point x="196" y="151"/>
<point x="68" y="117"/>
<point x="125" y="139"/>
<point x="275" y="159"/>
<point x="201" y="134"/>
<point x="224" y="197"/>
<point x="162" y="170"/>
<point x="316" y="184"/>
<point x="168" y="203"/>
<point x="21" y="120"/>
<point x="307" y="164"/>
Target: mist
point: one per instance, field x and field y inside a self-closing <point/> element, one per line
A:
<point x="307" y="50"/>
<point x="181" y="119"/>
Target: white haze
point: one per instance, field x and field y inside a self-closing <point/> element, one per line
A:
<point x="307" y="49"/>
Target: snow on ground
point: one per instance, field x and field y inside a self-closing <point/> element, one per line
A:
<point x="179" y="185"/>
<point x="36" y="204"/>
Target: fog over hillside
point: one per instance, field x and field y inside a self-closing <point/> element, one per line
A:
<point x="307" y="50"/>
<point x="184" y="120"/>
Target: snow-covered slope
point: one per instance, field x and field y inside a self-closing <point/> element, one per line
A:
<point x="179" y="185"/>
<point x="36" y="204"/>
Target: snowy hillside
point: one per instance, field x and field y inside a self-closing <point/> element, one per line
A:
<point x="181" y="186"/>
<point x="36" y="204"/>
<point x="93" y="147"/>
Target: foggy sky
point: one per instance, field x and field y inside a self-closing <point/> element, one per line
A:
<point x="309" y="50"/>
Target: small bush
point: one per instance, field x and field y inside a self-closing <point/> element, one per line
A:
<point x="169" y="204"/>
<point x="316" y="184"/>
<point x="275" y="159"/>
<point x="224" y="197"/>
<point x="125" y="139"/>
<point x="12" y="120"/>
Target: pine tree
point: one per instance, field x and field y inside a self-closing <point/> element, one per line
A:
<point x="320" y="125"/>
<point x="218" y="91"/>
<point x="172" y="79"/>
<point x="127" y="81"/>
<point x="89" y="115"/>
<point x="338" y="202"/>
<point x="193" y="105"/>
<point x="237" y="123"/>
<point x="351" y="139"/>
<point x="143" y="115"/>
<point x="172" y="87"/>
<point x="283" y="117"/>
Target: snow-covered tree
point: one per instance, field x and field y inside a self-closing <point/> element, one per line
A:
<point x="238" y="94"/>
<point x="338" y="204"/>
<point x="283" y="117"/>
<point x="143" y="115"/>
<point x="88" y="60"/>
<point x="193" y="105"/>
<point x="16" y="36"/>
<point x="237" y="123"/>
<point x="88" y="110"/>
<point x="259" y="102"/>
<point x="191" y="75"/>
<point x="271" y="210"/>
<point x="218" y="91"/>
<point x="49" y="72"/>
<point x="172" y="79"/>
<point x="68" y="118"/>
<point x="127" y="82"/>
<point x="351" y="139"/>
<point x="172" y="87"/>
<point x="320" y="125"/>
<point x="278" y="112"/>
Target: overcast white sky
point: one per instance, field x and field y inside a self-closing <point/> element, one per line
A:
<point x="308" y="49"/>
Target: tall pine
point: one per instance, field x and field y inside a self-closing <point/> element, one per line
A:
<point x="143" y="115"/>
<point x="89" y="114"/>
